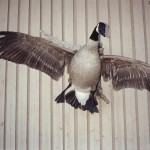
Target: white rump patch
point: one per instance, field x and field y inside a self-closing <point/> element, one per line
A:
<point x="82" y="97"/>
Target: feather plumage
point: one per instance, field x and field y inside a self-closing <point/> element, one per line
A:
<point x="35" y="52"/>
<point x="125" y="72"/>
<point x="85" y="68"/>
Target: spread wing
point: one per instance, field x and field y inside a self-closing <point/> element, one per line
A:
<point x="34" y="52"/>
<point x="125" y="72"/>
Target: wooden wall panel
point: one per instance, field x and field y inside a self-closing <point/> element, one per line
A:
<point x="106" y="115"/>
<point x="81" y="117"/>
<point x="29" y="117"/>
<point x="68" y="114"/>
<point x="130" y="126"/>
<point x="58" y="139"/>
<point x="146" y="19"/>
<point x="141" y="95"/>
<point x="3" y="26"/>
<point x="93" y="131"/>
<point x="11" y="86"/>
<point x="22" y="82"/>
<point x="33" y="81"/>
<point x="45" y="86"/>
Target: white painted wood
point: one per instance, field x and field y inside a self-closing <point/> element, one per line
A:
<point x="147" y="29"/>
<point x="3" y="26"/>
<point x="93" y="131"/>
<point x="29" y="116"/>
<point x="33" y="82"/>
<point x="57" y="132"/>
<point x="45" y="101"/>
<point x="68" y="115"/>
<point x="81" y="117"/>
<point x="141" y="95"/>
<point x="118" y="124"/>
<point x="10" y="120"/>
<point x="106" y="121"/>
<point x="103" y="13"/>
<point x="21" y="105"/>
<point x="129" y="97"/>
<point x="2" y="103"/>
<point x="146" y="11"/>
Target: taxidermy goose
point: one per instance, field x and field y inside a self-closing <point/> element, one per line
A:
<point x="85" y="66"/>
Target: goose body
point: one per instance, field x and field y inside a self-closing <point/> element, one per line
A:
<point x="85" y="66"/>
<point x="84" y="70"/>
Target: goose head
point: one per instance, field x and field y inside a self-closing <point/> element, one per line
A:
<point x="103" y="29"/>
<point x="100" y="29"/>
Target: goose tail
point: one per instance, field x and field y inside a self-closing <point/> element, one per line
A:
<point x="77" y="99"/>
<point x="88" y="102"/>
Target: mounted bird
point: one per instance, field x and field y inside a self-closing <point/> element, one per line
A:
<point x="85" y="66"/>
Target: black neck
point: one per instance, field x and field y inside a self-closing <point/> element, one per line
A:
<point x="94" y="35"/>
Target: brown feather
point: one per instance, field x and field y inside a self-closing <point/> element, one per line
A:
<point x="35" y="52"/>
<point x="125" y="72"/>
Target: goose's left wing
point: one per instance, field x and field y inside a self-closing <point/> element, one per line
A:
<point x="125" y="72"/>
<point x="35" y="52"/>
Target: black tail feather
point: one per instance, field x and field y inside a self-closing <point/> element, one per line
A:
<point x="61" y="97"/>
<point x="72" y="100"/>
<point x="91" y="104"/>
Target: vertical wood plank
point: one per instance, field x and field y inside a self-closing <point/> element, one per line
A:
<point x="93" y="131"/>
<point x="118" y="97"/>
<point x="3" y="26"/>
<point x="25" y="114"/>
<point x="146" y="11"/>
<point x="33" y="81"/>
<point x="57" y="86"/>
<point x="45" y="102"/>
<point x="69" y="111"/>
<point x="11" y="84"/>
<point x="106" y="123"/>
<point x="81" y="117"/>
<point x="142" y="95"/>
<point x="130" y="116"/>
<point x="21" y="105"/>
<point x="147" y="29"/>
<point x="103" y="17"/>
<point x="75" y="42"/>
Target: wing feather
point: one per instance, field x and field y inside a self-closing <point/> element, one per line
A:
<point x="35" y="52"/>
<point x="125" y="72"/>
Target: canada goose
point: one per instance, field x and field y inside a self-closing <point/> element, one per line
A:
<point x="85" y="67"/>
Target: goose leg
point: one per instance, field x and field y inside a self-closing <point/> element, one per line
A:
<point x="99" y="94"/>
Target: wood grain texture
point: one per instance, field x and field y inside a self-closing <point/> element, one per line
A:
<point x="3" y="26"/>
<point x="29" y="117"/>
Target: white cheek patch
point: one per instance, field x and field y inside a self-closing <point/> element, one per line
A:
<point x="82" y="97"/>
<point x="97" y="28"/>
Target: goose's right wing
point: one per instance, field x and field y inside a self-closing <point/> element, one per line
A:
<point x="35" y="52"/>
